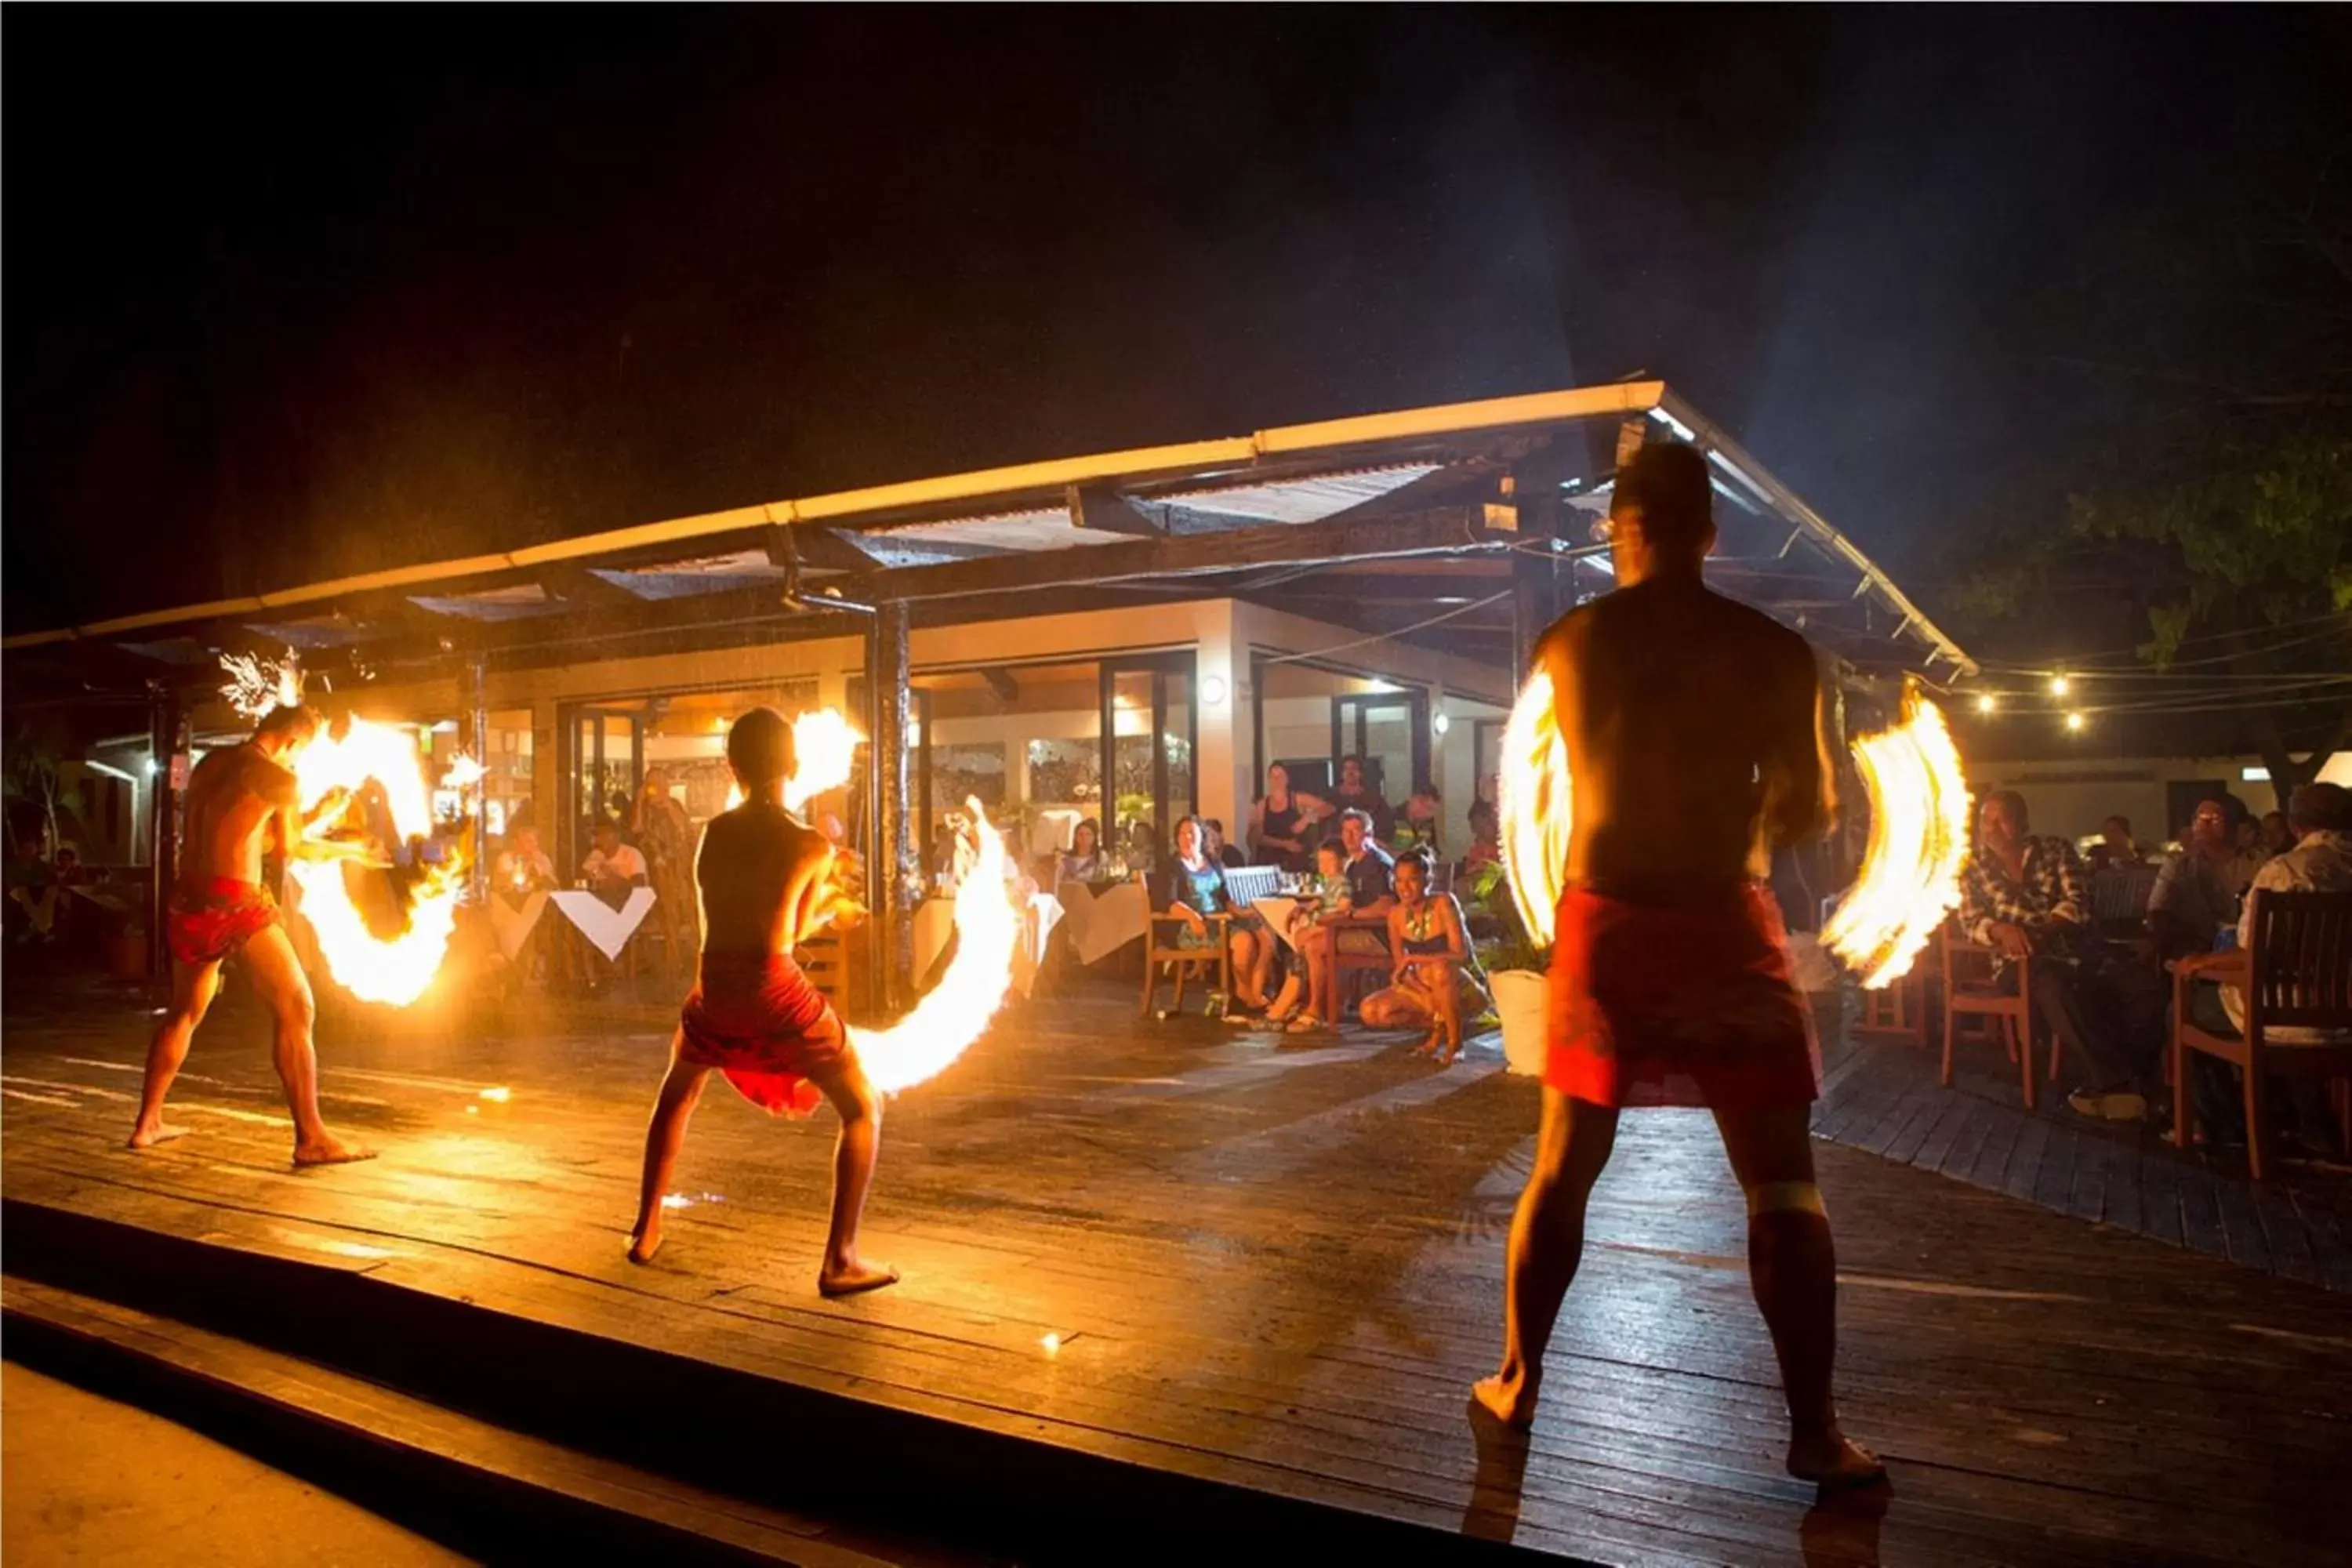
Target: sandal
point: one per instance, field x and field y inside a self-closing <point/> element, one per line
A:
<point x="1303" y="1024"/>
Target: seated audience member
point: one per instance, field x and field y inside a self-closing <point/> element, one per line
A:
<point x="612" y="867"/>
<point x="1435" y="980"/>
<point x="1196" y="890"/>
<point x="1083" y="860"/>
<point x="2246" y="834"/>
<point x="1485" y="837"/>
<point x="1142" y="845"/>
<point x="2193" y="898"/>
<point x="70" y="871"/>
<point x="1227" y="855"/>
<point x="1282" y="824"/>
<point x="2022" y="894"/>
<point x="1353" y="795"/>
<point x="1366" y="867"/>
<point x="2321" y="861"/>
<point x="1423" y="820"/>
<point x="522" y="866"/>
<point x="2278" y="834"/>
<point x="2116" y="849"/>
<point x="1326" y="897"/>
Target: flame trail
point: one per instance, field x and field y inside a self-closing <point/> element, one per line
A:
<point x="945" y="1023"/>
<point x="1910" y="875"/>
<point x="1535" y="807"/>
<point x="1918" y="843"/>
<point x="394" y="969"/>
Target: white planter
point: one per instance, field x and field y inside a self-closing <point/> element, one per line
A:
<point x="1520" y="1002"/>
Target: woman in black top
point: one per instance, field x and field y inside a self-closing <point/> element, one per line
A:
<point x="1282" y="825"/>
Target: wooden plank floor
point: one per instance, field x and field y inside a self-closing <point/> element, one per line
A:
<point x="1278" y="1262"/>
<point x="1881" y="1095"/>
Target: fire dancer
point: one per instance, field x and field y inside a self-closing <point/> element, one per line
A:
<point x="241" y="803"/>
<point x="1692" y="730"/>
<point x="765" y="883"/>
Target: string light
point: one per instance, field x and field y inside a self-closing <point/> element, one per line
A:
<point x="1986" y="702"/>
<point x="2075" y="721"/>
<point x="2060" y="686"/>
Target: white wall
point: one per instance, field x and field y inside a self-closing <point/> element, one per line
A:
<point x="2071" y="796"/>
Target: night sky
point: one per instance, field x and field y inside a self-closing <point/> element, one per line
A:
<point x="295" y="293"/>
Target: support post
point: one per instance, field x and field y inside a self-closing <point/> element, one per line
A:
<point x="477" y="793"/>
<point x="163" y="741"/>
<point x="1532" y="609"/>
<point x="893" y="865"/>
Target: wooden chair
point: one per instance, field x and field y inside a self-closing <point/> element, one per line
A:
<point x="1972" y="990"/>
<point x="2297" y="974"/>
<point x="1159" y="949"/>
<point x="829" y="960"/>
<point x="1343" y="964"/>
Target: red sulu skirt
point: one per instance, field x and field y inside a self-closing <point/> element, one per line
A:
<point x="1678" y="1005"/>
<point x="759" y="1021"/>
<point x="206" y="927"/>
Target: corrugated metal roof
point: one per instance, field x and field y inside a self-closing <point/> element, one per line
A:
<point x="1309" y="499"/>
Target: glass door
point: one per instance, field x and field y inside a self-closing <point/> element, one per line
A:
<point x="1389" y="731"/>
<point x="1149" y="729"/>
<point x="606" y="765"/>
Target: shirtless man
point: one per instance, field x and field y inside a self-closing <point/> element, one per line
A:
<point x="1694" y="738"/>
<point x="765" y="883"/>
<point x="241" y="804"/>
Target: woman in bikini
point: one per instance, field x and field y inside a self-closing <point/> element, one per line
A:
<point x="1436" y="980"/>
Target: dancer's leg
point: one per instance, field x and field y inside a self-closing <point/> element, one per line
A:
<point x="681" y="1089"/>
<point x="1792" y="1264"/>
<point x="860" y="1108"/>
<point x="1546" y="1241"/>
<point x="278" y="979"/>
<point x="194" y="986"/>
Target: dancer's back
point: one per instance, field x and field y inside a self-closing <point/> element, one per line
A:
<point x="1690" y="723"/>
<point x="762" y="873"/>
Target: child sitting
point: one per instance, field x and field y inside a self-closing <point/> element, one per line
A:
<point x="1326" y="895"/>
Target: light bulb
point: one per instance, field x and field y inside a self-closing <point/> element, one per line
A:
<point x="2060" y="686"/>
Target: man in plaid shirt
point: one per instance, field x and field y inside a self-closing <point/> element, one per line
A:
<point x="2023" y="895"/>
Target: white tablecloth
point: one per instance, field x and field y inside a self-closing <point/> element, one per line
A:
<point x="512" y="924"/>
<point x="1275" y="912"/>
<point x="1037" y="923"/>
<point x="1102" y="924"/>
<point x="608" y="930"/>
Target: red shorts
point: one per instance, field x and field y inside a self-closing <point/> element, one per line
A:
<point x="759" y="1021"/>
<point x="1678" y="1005"/>
<point x="207" y="926"/>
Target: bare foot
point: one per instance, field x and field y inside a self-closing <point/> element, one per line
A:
<point x="1430" y="1043"/>
<point x="145" y="1137"/>
<point x="1512" y="1404"/>
<point x="855" y="1278"/>
<point x="1831" y="1461"/>
<point x="644" y="1243"/>
<point x="1445" y="1057"/>
<point x="329" y="1150"/>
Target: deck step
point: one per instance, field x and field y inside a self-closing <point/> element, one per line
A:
<point x="890" y="1473"/>
<point x="506" y="1490"/>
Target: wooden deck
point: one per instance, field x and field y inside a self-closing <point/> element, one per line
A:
<point x="1276" y="1265"/>
<point x="1881" y="1096"/>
